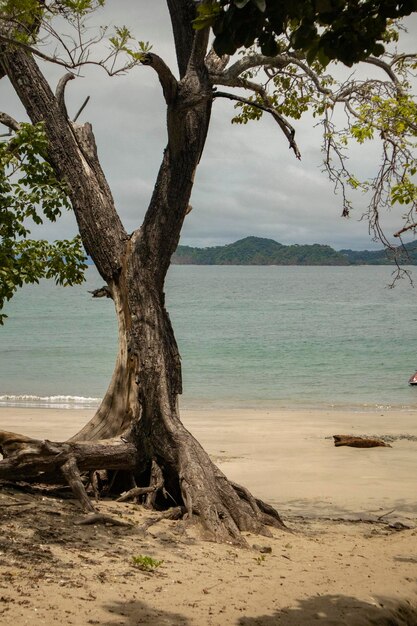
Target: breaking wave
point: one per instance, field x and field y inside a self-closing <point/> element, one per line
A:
<point x="52" y="402"/>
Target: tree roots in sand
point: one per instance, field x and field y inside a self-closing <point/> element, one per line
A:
<point x="196" y="489"/>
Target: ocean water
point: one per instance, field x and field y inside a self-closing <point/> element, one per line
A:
<point x="249" y="337"/>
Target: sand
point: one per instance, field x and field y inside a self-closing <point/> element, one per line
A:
<point x="329" y="569"/>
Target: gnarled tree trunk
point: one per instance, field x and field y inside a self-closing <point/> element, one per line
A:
<point x="141" y="402"/>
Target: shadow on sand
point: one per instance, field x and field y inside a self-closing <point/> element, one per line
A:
<point x="137" y="613"/>
<point x="329" y="610"/>
<point x="339" y="611"/>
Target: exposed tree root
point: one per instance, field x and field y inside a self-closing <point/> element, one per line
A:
<point x="172" y="514"/>
<point x="26" y="458"/>
<point x="194" y="484"/>
<point x="73" y="477"/>
<point x="223" y="508"/>
<point x="135" y="493"/>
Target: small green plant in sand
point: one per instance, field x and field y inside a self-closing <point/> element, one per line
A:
<point x="146" y="563"/>
<point x="260" y="559"/>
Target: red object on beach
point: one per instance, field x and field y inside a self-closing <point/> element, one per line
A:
<point x="413" y="379"/>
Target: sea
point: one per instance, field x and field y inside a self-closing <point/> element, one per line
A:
<point x="249" y="336"/>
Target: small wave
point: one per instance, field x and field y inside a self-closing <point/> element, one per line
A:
<point x="53" y="402"/>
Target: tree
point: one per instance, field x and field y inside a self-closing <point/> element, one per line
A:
<point x="139" y="413"/>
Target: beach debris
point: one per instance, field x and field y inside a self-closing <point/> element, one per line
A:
<point x="262" y="549"/>
<point x="385" y="514"/>
<point x="399" y="526"/>
<point x="359" y="442"/>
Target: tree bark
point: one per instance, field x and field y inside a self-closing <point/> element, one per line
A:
<point x="119" y="406"/>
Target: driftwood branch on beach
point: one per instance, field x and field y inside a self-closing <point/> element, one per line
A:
<point x="359" y="442"/>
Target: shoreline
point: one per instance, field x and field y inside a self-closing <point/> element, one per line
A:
<point x="80" y="403"/>
<point x="285" y="456"/>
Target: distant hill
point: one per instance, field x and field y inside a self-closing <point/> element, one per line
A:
<point x="261" y="251"/>
<point x="406" y="255"/>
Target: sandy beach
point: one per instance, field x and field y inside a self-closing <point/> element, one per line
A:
<point x="329" y="568"/>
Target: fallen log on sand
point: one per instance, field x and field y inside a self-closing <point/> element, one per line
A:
<point x="359" y="442"/>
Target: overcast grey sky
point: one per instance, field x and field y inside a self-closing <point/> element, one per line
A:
<point x="248" y="182"/>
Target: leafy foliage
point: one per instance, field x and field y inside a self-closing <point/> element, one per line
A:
<point x="322" y="29"/>
<point x="23" y="17"/>
<point x="146" y="563"/>
<point x="29" y="21"/>
<point x="379" y="111"/>
<point x="121" y="42"/>
<point x="30" y="192"/>
<point x="386" y="113"/>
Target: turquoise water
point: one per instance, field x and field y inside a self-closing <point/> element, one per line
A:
<point x="248" y="336"/>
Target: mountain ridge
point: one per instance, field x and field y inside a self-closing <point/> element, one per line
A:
<point x="253" y="250"/>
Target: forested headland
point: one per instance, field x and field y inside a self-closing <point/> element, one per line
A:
<point x="262" y="251"/>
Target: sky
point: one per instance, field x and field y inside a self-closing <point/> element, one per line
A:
<point x="248" y="181"/>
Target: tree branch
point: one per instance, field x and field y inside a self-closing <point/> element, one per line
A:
<point x="254" y="60"/>
<point x="9" y="121"/>
<point x="166" y="78"/>
<point x="214" y="63"/>
<point x="199" y="49"/>
<point x="401" y="57"/>
<point x="182" y="13"/>
<point x="287" y="129"/>
<point x="387" y="69"/>
<point x="405" y="229"/>
<point x="81" y="109"/>
<point x="285" y="126"/>
<point x="71" y="64"/>
<point x="60" y="92"/>
<point x="279" y="62"/>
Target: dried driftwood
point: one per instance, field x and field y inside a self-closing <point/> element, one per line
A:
<point x="359" y="442"/>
